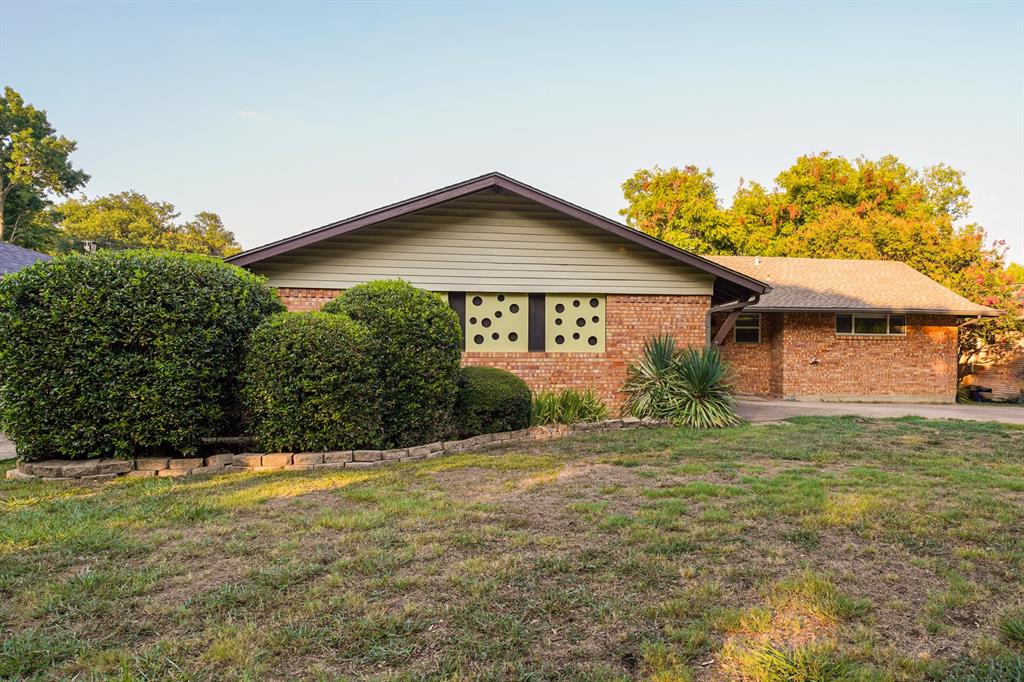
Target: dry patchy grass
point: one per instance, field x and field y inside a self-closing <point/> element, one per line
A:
<point x="825" y="549"/>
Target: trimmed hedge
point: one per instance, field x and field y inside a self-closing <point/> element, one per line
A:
<point x="309" y="383"/>
<point x="122" y="354"/>
<point x="416" y="344"/>
<point x="491" y="400"/>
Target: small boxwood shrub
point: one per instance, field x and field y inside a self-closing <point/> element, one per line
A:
<point x="309" y="383"/>
<point x="415" y="341"/>
<point x="491" y="400"/>
<point x="119" y="354"/>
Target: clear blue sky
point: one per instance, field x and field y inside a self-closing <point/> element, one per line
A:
<point x="284" y="117"/>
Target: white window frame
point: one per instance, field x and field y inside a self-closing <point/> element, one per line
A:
<point x="874" y="316"/>
<point x="737" y="326"/>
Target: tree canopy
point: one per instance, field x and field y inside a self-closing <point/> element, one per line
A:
<point x="34" y="167"/>
<point x="827" y="206"/>
<point x="131" y="220"/>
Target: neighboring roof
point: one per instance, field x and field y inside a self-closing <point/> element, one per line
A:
<point x="14" y="258"/>
<point x="742" y="286"/>
<point x="827" y="285"/>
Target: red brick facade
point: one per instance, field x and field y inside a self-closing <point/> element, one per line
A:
<point x="630" y="320"/>
<point x="305" y="300"/>
<point x="801" y="356"/>
<point x="1002" y="371"/>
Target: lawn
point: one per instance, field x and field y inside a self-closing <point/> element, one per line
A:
<point x="822" y="549"/>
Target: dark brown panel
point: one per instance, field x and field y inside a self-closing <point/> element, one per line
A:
<point x="537" y="322"/>
<point x="457" y="300"/>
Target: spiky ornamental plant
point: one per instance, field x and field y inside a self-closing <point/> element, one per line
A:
<point x="689" y="387"/>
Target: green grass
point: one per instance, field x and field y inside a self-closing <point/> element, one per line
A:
<point x="825" y="550"/>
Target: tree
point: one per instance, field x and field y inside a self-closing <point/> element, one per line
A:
<point x="679" y="206"/>
<point x="34" y="165"/>
<point x="826" y="206"/>
<point x="131" y="220"/>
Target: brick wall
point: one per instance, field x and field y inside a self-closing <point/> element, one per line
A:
<point x="305" y="300"/>
<point x="1002" y="370"/>
<point x="801" y="356"/>
<point x="629" y="321"/>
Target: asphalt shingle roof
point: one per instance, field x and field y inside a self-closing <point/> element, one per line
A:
<point x="833" y="284"/>
<point x="14" y="258"/>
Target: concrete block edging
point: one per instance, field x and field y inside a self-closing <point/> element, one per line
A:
<point x="107" y="469"/>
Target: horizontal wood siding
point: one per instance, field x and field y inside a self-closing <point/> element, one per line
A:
<point x="487" y="242"/>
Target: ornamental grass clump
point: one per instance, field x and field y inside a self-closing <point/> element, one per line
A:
<point x="568" y="406"/>
<point x="124" y="353"/>
<point x="689" y="387"/>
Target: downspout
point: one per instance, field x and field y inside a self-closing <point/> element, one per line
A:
<point x="737" y="305"/>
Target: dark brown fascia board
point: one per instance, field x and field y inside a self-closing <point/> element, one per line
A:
<point x="991" y="312"/>
<point x="495" y="180"/>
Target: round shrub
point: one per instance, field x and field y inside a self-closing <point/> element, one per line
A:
<point x="309" y="383"/>
<point x="491" y="400"/>
<point x="120" y="354"/>
<point x="416" y="342"/>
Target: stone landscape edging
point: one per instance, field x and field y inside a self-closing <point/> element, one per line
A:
<point x="108" y="469"/>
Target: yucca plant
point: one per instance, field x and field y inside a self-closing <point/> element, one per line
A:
<point x="689" y="387"/>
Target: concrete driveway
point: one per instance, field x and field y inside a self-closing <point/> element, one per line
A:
<point x="757" y="410"/>
<point x="6" y="448"/>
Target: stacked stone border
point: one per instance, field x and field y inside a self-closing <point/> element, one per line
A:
<point x="107" y="469"/>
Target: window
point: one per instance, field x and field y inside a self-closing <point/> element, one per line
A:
<point x="871" y="324"/>
<point x="574" y="323"/>
<point x="497" y="322"/>
<point x="747" y="328"/>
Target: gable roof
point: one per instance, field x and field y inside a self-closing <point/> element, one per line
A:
<point x="828" y="285"/>
<point x="14" y="258"/>
<point x="730" y="284"/>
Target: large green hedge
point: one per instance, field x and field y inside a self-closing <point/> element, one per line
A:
<point x="309" y="383"/>
<point x="123" y="353"/>
<point x="491" y="400"/>
<point x="416" y="344"/>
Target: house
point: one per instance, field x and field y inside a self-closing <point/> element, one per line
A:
<point x="858" y="330"/>
<point x="564" y="297"/>
<point x="14" y="258"/>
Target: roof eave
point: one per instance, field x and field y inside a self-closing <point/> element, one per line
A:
<point x="987" y="312"/>
<point x="496" y="180"/>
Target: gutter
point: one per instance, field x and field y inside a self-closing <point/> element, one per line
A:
<point x="734" y="307"/>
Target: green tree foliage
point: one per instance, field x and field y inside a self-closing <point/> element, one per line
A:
<point x="130" y="220"/>
<point x="124" y="353"/>
<point x="34" y="166"/>
<point x="679" y="206"/>
<point x="826" y="206"/>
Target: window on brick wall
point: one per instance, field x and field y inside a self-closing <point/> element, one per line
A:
<point x="510" y="322"/>
<point x="574" y="323"/>
<point x="747" y="328"/>
<point x="870" y="324"/>
<point x="497" y="322"/>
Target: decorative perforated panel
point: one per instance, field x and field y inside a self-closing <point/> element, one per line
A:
<point x="574" y="323"/>
<point x="497" y="322"/>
